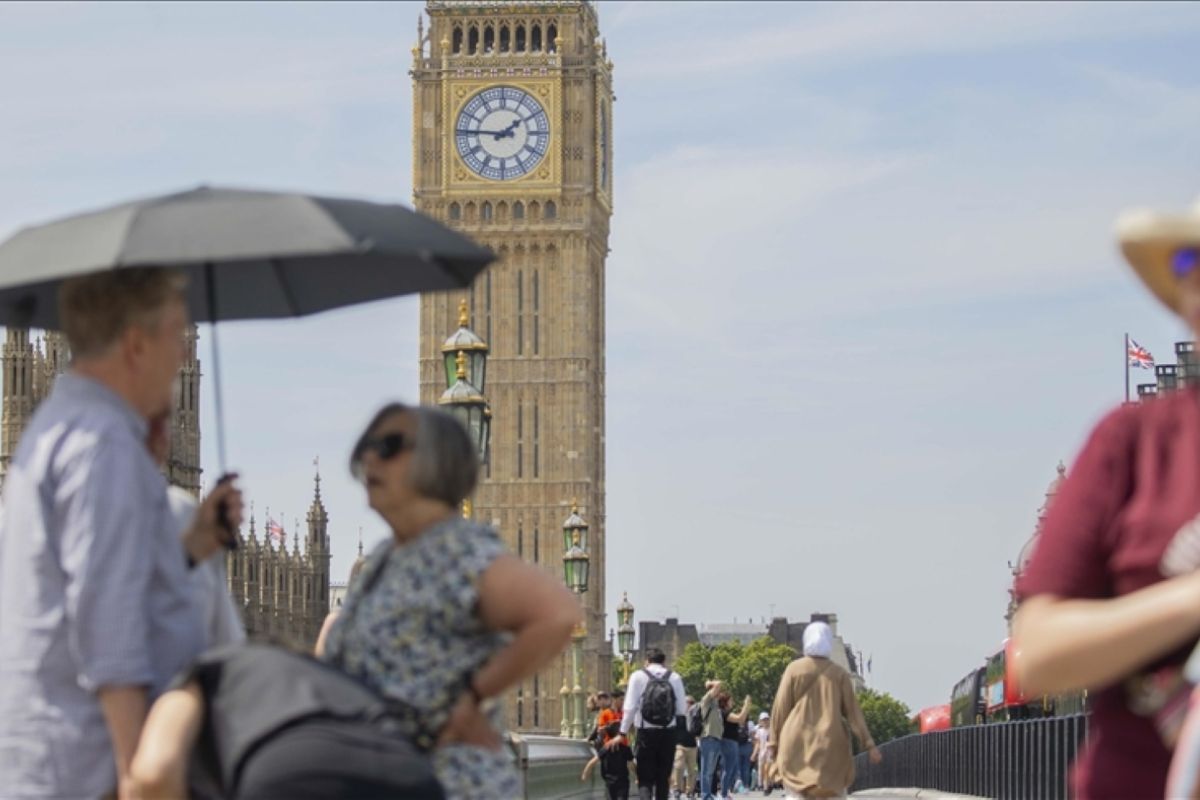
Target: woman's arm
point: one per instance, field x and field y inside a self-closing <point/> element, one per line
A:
<point x="159" y="768"/>
<point x="1066" y="644"/>
<point x="539" y="611"/>
<point x="319" y="647"/>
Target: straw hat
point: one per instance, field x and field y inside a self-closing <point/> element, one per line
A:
<point x="1151" y="241"/>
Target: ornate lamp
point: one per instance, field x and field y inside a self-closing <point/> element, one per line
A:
<point x="575" y="567"/>
<point x="467" y="403"/>
<point x="625" y="625"/>
<point x="466" y="341"/>
<point x="573" y="525"/>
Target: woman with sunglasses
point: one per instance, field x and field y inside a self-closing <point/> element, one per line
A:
<point x="1111" y="597"/>
<point x="442" y="617"/>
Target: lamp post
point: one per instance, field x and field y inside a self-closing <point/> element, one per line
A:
<point x="625" y="633"/>
<point x="576" y="566"/>
<point x="464" y="356"/>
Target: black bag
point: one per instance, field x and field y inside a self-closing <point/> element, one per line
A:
<point x="695" y="721"/>
<point x="658" y="700"/>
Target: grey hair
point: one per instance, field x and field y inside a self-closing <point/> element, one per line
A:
<point x="445" y="462"/>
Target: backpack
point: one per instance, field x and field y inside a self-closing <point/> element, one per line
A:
<point x="695" y="721"/>
<point x="658" y="700"/>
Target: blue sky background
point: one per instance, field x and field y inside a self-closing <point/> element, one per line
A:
<point x="863" y="290"/>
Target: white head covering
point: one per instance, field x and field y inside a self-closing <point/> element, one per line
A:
<point x="818" y="640"/>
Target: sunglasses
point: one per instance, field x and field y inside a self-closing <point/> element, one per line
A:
<point x="1185" y="261"/>
<point x="387" y="446"/>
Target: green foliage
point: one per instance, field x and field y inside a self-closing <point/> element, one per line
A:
<point x="887" y="718"/>
<point x="617" y="673"/>
<point x="753" y="669"/>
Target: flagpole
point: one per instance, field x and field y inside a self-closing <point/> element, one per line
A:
<point x="1126" y="367"/>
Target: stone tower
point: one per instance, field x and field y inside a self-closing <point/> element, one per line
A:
<point x="512" y="144"/>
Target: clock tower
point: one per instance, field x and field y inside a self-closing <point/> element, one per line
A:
<point x="512" y="144"/>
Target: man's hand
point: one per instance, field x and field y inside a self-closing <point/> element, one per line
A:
<point x="615" y="741"/>
<point x="207" y="535"/>
<point x="470" y="726"/>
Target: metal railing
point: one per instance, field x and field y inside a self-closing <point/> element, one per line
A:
<point x="1027" y="760"/>
<point x="550" y="767"/>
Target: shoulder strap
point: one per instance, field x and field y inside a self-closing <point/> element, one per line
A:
<point x="813" y="679"/>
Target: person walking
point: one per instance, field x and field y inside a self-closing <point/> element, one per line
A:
<point x="731" y="741"/>
<point x="655" y="702"/>
<point x="813" y="704"/>
<point x="685" y="772"/>
<point x="615" y="763"/>
<point x="712" y="729"/>
<point x="443" y="618"/>
<point x="762" y="752"/>
<point x="97" y="609"/>
<point x="1110" y="600"/>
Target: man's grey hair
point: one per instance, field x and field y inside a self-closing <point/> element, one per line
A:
<point x="445" y="461"/>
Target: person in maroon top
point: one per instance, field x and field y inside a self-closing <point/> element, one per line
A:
<point x="1110" y="601"/>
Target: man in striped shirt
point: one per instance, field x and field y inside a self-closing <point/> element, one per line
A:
<point x="96" y="609"/>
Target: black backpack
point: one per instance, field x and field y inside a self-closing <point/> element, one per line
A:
<point x="658" y="700"/>
<point x="695" y="720"/>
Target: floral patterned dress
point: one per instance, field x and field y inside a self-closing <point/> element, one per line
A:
<point x="408" y="628"/>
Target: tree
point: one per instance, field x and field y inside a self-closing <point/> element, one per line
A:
<point x="887" y="718"/>
<point x="753" y="669"/>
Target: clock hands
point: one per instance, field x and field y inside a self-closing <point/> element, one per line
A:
<point x="507" y="133"/>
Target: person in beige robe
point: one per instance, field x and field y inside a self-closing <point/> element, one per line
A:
<point x="815" y="700"/>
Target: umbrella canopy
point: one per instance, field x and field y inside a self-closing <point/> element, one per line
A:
<point x="250" y="254"/>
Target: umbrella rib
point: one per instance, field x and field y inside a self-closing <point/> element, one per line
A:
<point x="285" y="287"/>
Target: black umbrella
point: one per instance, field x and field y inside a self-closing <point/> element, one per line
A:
<point x="250" y="255"/>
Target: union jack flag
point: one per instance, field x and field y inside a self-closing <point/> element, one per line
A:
<point x="275" y="530"/>
<point x="1140" y="356"/>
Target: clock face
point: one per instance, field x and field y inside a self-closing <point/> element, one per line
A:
<point x="502" y="133"/>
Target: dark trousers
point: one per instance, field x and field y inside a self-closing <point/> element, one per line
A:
<point x="655" y="754"/>
<point x="617" y="786"/>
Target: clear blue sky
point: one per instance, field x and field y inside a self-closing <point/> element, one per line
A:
<point x="863" y="291"/>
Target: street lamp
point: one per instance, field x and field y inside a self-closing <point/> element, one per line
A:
<point x="625" y="633"/>
<point x="464" y="356"/>
<point x="576" y="566"/>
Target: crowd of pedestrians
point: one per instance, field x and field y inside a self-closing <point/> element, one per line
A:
<point x="708" y="749"/>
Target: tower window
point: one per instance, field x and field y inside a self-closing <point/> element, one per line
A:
<point x="520" y="37"/>
<point x="536" y="449"/>
<point x="551" y="210"/>
<point x="536" y="546"/>
<point x="470" y="212"/>
<point x="486" y="211"/>
<point x="551" y="35"/>
<point x="520" y="312"/>
<point x="455" y="211"/>
<point x="536" y="697"/>
<point x="535" y="211"/>
<point x="504" y="38"/>
<point x="458" y="39"/>
<point x="535" y="38"/>
<point x="521" y="447"/>
<point x="473" y="40"/>
<point x="502" y="211"/>
<point x="520" y="542"/>
<point x="536" y="314"/>
<point x="518" y="210"/>
<point x="489" y="40"/>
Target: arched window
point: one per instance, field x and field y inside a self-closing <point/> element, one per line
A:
<point x="535" y="38"/>
<point x="520" y="43"/>
<point x="502" y="211"/>
<point x="518" y="210"/>
<point x="470" y="212"/>
<point x="535" y="211"/>
<point x="473" y="40"/>
<point x="455" y="211"/>
<point x="504" y="40"/>
<point x="551" y="210"/>
<point x="489" y="39"/>
<point x="551" y="35"/>
<point x="486" y="211"/>
<point x="458" y="39"/>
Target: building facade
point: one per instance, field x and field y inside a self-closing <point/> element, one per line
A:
<point x="283" y="594"/>
<point x="512" y="144"/>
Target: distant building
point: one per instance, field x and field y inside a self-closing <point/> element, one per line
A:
<point x="672" y="637"/>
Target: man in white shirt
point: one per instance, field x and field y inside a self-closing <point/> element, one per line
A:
<point x="656" y="705"/>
